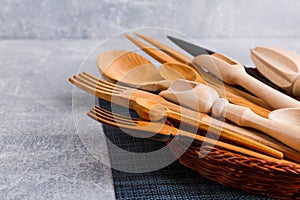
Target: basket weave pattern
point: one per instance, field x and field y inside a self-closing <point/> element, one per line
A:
<point x="278" y="180"/>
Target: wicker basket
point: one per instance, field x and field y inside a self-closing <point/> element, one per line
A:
<point x="252" y="175"/>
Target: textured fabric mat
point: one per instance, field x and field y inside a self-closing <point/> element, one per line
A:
<point x="172" y="182"/>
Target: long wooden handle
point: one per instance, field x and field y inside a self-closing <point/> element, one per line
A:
<point x="271" y="96"/>
<point x="224" y="145"/>
<point x="231" y="72"/>
<point x="242" y="116"/>
<point x="227" y="134"/>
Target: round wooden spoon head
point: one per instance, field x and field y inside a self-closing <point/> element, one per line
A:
<point x="127" y="67"/>
<point x="150" y="110"/>
<point x="174" y="71"/>
<point x="289" y="116"/>
<point x="190" y="94"/>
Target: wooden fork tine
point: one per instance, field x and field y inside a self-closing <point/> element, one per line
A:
<point x="110" y="120"/>
<point x="154" y="53"/>
<point x="114" y="116"/>
<point x="92" y="90"/>
<point x="103" y="81"/>
<point x="98" y="87"/>
<point x="122" y="116"/>
<point x="102" y="120"/>
<point x="168" y="50"/>
<point x="98" y="84"/>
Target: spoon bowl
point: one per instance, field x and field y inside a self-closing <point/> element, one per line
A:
<point x="174" y="71"/>
<point x="131" y="69"/>
<point x="289" y="116"/>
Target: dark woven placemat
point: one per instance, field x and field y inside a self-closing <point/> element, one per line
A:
<point x="172" y="182"/>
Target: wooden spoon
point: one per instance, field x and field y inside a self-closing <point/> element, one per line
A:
<point x="234" y="73"/>
<point x="286" y="115"/>
<point x="131" y="69"/>
<point x="280" y="66"/>
<point x="242" y="116"/>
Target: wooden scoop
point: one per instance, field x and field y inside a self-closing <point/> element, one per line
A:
<point x="234" y="73"/>
<point x="131" y="69"/>
<point x="289" y="116"/>
<point x="280" y="66"/>
<point x="242" y="116"/>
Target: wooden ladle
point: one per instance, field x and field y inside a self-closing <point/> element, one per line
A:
<point x="242" y="116"/>
<point x="280" y="66"/>
<point x="234" y="73"/>
<point x="131" y="69"/>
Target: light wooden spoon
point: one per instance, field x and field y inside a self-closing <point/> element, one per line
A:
<point x="131" y="69"/>
<point x="234" y="73"/>
<point x="242" y="116"/>
<point x="280" y="66"/>
<point x="286" y="115"/>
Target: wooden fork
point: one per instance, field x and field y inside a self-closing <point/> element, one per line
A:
<point x="163" y="132"/>
<point x="127" y="97"/>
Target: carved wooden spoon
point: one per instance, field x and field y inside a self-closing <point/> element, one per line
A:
<point x="242" y="116"/>
<point x="280" y="66"/>
<point x="131" y="69"/>
<point x="234" y="73"/>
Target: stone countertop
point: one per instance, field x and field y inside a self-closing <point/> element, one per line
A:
<point x="41" y="154"/>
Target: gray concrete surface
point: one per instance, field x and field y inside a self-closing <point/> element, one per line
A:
<point x="41" y="154"/>
<point x="98" y="19"/>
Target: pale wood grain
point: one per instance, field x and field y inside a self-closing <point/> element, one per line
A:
<point x="280" y="66"/>
<point x="234" y="73"/>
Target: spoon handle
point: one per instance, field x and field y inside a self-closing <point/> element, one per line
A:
<point x="231" y="72"/>
<point x="211" y="142"/>
<point x="272" y="97"/>
<point x="243" y="116"/>
<point x="235" y="135"/>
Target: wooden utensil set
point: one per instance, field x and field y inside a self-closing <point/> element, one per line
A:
<point x="185" y="90"/>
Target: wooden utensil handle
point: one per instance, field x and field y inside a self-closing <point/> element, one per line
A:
<point x="224" y="145"/>
<point x="296" y="87"/>
<point x="242" y="116"/>
<point x="272" y="97"/>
